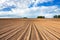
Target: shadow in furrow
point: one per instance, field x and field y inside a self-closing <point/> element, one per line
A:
<point x="53" y="35"/>
<point x="23" y="34"/>
<point x="14" y="31"/>
<point x="18" y="33"/>
<point x="33" y="35"/>
<point x="30" y="34"/>
<point x="38" y="33"/>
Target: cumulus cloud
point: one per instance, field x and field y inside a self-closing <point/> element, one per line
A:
<point x="33" y="12"/>
<point x="40" y="1"/>
<point x="22" y="9"/>
<point x="20" y="3"/>
<point x="48" y="12"/>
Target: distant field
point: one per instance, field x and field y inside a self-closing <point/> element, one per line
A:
<point x="29" y="29"/>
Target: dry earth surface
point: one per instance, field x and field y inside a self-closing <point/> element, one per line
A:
<point x="29" y="29"/>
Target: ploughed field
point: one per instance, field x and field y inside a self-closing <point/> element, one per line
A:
<point x="29" y="29"/>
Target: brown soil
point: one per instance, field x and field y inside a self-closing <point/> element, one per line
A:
<point x="29" y="29"/>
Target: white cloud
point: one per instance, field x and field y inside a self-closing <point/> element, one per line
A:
<point x="22" y="9"/>
<point x="48" y="12"/>
<point x="2" y="1"/>
<point x="40" y="1"/>
<point x="20" y="3"/>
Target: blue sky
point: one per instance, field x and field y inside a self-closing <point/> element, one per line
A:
<point x="29" y="8"/>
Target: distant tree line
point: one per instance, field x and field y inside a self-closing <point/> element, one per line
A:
<point x="40" y="16"/>
<point x="56" y="16"/>
<point x="25" y="17"/>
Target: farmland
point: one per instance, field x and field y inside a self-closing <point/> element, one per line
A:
<point x="29" y="29"/>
